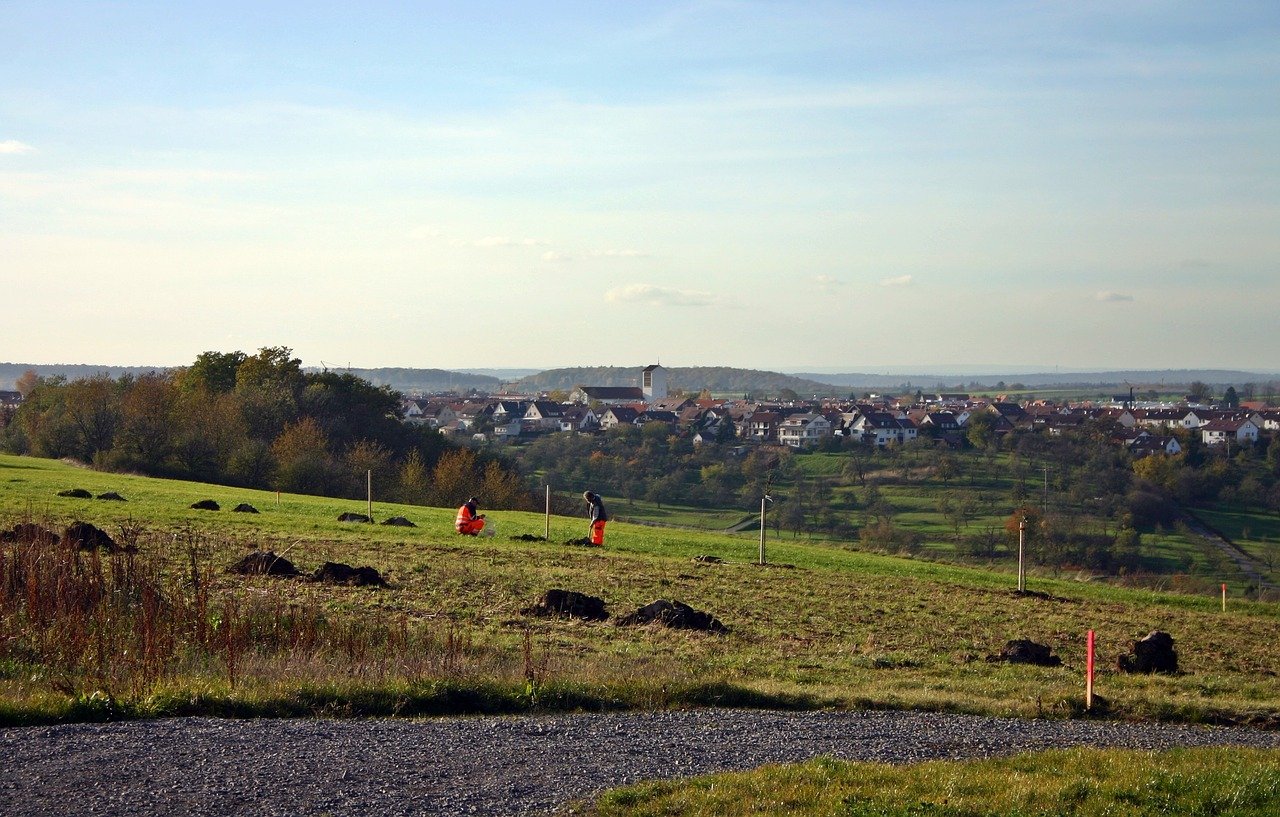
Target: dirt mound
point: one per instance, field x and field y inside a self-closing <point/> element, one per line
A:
<point x="1022" y="651"/>
<point x="205" y="505"/>
<point x="244" y="507"/>
<point x="528" y="537"/>
<point x="338" y="573"/>
<point x="1154" y="653"/>
<point x="708" y="560"/>
<point x="582" y="540"/>
<point x="264" y="563"/>
<point x="113" y="496"/>
<point x="399" y="522"/>
<point x="354" y="517"/>
<point x="30" y="533"/>
<point x="87" y="537"/>
<point x="569" y="604"/>
<point x="76" y="493"/>
<point x="676" y="615"/>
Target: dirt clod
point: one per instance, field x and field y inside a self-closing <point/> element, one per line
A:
<point x="354" y="517"/>
<point x="87" y="537"/>
<point x="569" y="604"/>
<point x="676" y="615"/>
<point x="76" y="493"/>
<point x="30" y="533"/>
<point x="399" y="522"/>
<point x="113" y="496"/>
<point x="339" y="573"/>
<point x="1153" y="653"/>
<point x="244" y="507"/>
<point x="206" y="505"/>
<point x="1023" y="651"/>
<point x="264" y="563"/>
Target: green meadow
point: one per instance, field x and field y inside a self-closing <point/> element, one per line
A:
<point x="167" y="630"/>
<point x="1084" y="782"/>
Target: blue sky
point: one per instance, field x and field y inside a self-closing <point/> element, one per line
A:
<point x="781" y="185"/>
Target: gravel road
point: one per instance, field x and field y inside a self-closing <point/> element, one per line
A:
<point x="499" y="766"/>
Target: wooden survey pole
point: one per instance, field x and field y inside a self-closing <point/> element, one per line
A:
<point x="547" y="535"/>
<point x="763" y="504"/>
<point x="1022" y="539"/>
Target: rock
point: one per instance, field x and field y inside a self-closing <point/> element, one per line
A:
<point x="87" y="537"/>
<point x="264" y="563"/>
<point x="354" y="517"/>
<point x="569" y="604"/>
<point x="1022" y="651"/>
<point x="206" y="505"/>
<point x="244" y="507"/>
<point x="339" y="573"/>
<point x="76" y="493"/>
<point x="400" y="522"/>
<point x="113" y="496"/>
<point x="30" y="533"/>
<point x="1154" y="653"/>
<point x="674" y="614"/>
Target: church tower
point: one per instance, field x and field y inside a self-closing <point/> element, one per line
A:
<point x="653" y="382"/>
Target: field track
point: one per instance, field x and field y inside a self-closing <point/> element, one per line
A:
<point x="499" y="766"/>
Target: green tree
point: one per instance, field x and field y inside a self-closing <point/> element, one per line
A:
<point x="269" y="385"/>
<point x="980" y="429"/>
<point x="212" y="372"/>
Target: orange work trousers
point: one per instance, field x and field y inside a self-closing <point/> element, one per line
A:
<point x="597" y="532"/>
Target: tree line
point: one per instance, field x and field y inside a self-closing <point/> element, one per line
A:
<point x="256" y="421"/>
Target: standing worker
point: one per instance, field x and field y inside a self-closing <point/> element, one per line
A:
<point x="469" y="523"/>
<point x="598" y="517"/>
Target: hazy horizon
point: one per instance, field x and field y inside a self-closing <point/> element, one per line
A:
<point x="742" y="182"/>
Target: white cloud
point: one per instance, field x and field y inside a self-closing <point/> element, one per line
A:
<point x="14" y="146"/>
<point x="897" y="281"/>
<point x="553" y="257"/>
<point x="658" y="296"/>
<point x="619" y="254"/>
<point x="1107" y="296"/>
<point x="507" y="241"/>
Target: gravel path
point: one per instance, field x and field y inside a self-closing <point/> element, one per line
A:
<point x="499" y="766"/>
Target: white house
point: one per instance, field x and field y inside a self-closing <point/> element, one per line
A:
<point x="803" y="430"/>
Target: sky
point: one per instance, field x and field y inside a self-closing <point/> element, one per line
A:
<point x="846" y="186"/>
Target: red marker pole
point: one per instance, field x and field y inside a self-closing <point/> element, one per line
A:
<point x="1088" y="676"/>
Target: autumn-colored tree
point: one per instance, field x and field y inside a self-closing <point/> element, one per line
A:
<point x="301" y="455"/>
<point x="364" y="460"/>
<point x="26" y="382"/>
<point x="413" y="481"/>
<point x="145" y="437"/>
<point x="456" y="476"/>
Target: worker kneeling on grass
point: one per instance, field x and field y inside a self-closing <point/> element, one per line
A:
<point x="598" y="517"/>
<point x="469" y="523"/>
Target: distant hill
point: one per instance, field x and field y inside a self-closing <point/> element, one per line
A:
<point x="718" y="379"/>
<point x="10" y="372"/>
<point x="400" y="379"/>
<point x="426" y="380"/>
<point x="1137" y="377"/>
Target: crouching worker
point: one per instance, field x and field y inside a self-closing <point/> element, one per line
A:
<point x="598" y="517"/>
<point x="469" y="523"/>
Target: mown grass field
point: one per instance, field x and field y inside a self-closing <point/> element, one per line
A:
<point x="1240" y="782"/>
<point x="833" y="627"/>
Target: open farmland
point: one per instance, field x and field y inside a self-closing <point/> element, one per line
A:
<point x="824" y="626"/>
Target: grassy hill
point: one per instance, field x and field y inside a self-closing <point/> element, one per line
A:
<point x="833" y="627"/>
